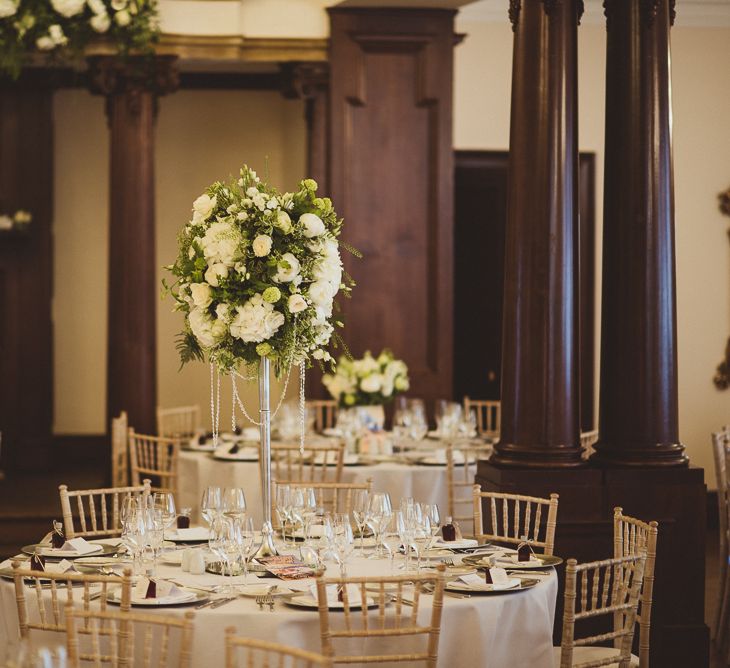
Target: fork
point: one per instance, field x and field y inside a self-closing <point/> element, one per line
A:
<point x="260" y="602"/>
<point x="269" y="600"/>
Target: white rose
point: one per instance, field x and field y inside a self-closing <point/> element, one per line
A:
<point x="372" y="383"/>
<point x="221" y="243"/>
<point x="401" y="384"/>
<point x="252" y="191"/>
<point x="100" y="22"/>
<point x="272" y="204"/>
<point x="262" y="245"/>
<point x="45" y="43"/>
<point x="259" y="201"/>
<point x="242" y="216"/>
<point x="68" y="8"/>
<point x="201" y="294"/>
<point x="320" y="292"/>
<point x="55" y="32"/>
<point x="118" y="5"/>
<point x="223" y="311"/>
<point x="203" y="207"/>
<point x="296" y="303"/>
<point x="256" y="320"/>
<point x="7" y="8"/>
<point x="318" y="354"/>
<point x="214" y="272"/>
<point x="323" y="334"/>
<point x="240" y="268"/>
<point x="283" y="221"/>
<point x="202" y="327"/>
<point x="123" y="18"/>
<point x="285" y="274"/>
<point x="313" y="225"/>
<point x="96" y="6"/>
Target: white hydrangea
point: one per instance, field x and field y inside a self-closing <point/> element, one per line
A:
<point x="100" y="22"/>
<point x="313" y="225"/>
<point x="256" y="320"/>
<point x="207" y="331"/>
<point x="7" y="8"/>
<point x="201" y="295"/>
<point x="203" y="207"/>
<point x="68" y="8"/>
<point x="221" y="244"/>
<point x="288" y="269"/>
<point x="214" y="272"/>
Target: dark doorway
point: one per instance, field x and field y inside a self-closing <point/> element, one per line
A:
<point x="480" y="215"/>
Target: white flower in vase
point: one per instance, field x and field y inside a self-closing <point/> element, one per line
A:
<point x="221" y="244"/>
<point x="206" y="330"/>
<point x="262" y="245"/>
<point x="296" y="303"/>
<point x="123" y="18"/>
<point x="372" y="383"/>
<point x="313" y="225"/>
<point x="100" y="22"/>
<point x="201" y="295"/>
<point x="287" y="268"/>
<point x="256" y="320"/>
<point x="68" y="8"/>
<point x="214" y="272"/>
<point x="203" y="207"/>
<point x="8" y="8"/>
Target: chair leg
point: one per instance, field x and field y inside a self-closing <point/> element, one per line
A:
<point x="721" y="639"/>
<point x="721" y="611"/>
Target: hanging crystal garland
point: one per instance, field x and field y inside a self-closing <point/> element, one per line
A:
<point x="302" y="407"/>
<point x="215" y="405"/>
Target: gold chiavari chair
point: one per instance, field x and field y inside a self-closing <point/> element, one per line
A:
<point x="521" y="517"/>
<point x="402" y="623"/>
<point x="633" y="537"/>
<point x="604" y="588"/>
<point x="253" y="653"/>
<point x="460" y="480"/>
<point x="720" y="449"/>
<point x="335" y="497"/>
<point x="489" y="415"/>
<point x="154" y="457"/>
<point x="313" y="464"/>
<point x="325" y="413"/>
<point x="37" y="616"/>
<point x="587" y="440"/>
<point x="102" y="507"/>
<point x="120" y="451"/>
<point x="162" y="642"/>
<point x="180" y="422"/>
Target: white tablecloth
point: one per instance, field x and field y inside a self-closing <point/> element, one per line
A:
<point x="197" y="470"/>
<point x="482" y="631"/>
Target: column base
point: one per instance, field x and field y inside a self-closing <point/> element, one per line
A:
<point x="511" y="455"/>
<point x="675" y="497"/>
<point x="641" y="455"/>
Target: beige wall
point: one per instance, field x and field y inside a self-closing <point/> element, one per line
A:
<point x="201" y="136"/>
<point x="700" y="58"/>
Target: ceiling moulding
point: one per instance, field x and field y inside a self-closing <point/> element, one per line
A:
<point x="690" y="13"/>
<point x="243" y="49"/>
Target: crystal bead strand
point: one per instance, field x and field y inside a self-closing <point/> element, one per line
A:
<point x="302" y="407"/>
<point x="237" y="398"/>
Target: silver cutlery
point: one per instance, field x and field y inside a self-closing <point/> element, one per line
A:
<point x="222" y="601"/>
<point x="205" y="604"/>
<point x="259" y="600"/>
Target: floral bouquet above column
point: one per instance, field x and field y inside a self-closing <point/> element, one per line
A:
<point x="370" y="381"/>
<point x="257" y="274"/>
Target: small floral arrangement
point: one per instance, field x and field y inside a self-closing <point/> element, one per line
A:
<point x="369" y="381"/>
<point x="68" y="26"/>
<point x="257" y="274"/>
<point x="18" y="221"/>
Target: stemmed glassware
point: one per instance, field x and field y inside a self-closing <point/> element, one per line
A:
<point x="283" y="507"/>
<point x="303" y="508"/>
<point x="360" y="503"/>
<point x="342" y="541"/>
<point x="379" y="512"/>
<point x="223" y="542"/>
<point x="211" y="504"/>
<point x="164" y="502"/>
<point x="404" y="527"/>
<point x="233" y="503"/>
<point x="421" y="536"/>
<point x="248" y="542"/>
<point x="419" y="421"/>
<point x="391" y="539"/>
<point x="431" y="510"/>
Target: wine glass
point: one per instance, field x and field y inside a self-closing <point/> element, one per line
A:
<point x="421" y="537"/>
<point x="391" y="539"/>
<point x="248" y="543"/>
<point x="360" y="502"/>
<point x="164" y="502"/>
<point x="156" y="523"/>
<point x="419" y="423"/>
<point x="210" y="506"/>
<point x="431" y="510"/>
<point x="233" y="502"/>
<point x="221" y="542"/>
<point x="404" y="528"/>
<point x="379" y="511"/>
<point x="343" y="541"/>
<point x="283" y="506"/>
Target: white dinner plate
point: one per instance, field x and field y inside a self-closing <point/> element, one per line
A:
<point x="306" y="601"/>
<point x="459" y="586"/>
<point x="191" y="535"/>
<point x="186" y="597"/>
<point x="47" y="551"/>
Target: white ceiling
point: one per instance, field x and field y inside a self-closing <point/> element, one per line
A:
<point x="699" y="13"/>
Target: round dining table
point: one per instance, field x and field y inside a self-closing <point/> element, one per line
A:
<point x="489" y="631"/>
<point x="398" y="476"/>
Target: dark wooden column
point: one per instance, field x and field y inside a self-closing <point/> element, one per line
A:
<point x="131" y="92"/>
<point x="540" y="341"/>
<point x="26" y="272"/>
<point x="391" y="177"/>
<point x="638" y="398"/>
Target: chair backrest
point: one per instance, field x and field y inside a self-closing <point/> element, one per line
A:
<point x="633" y="537"/>
<point x="325" y="413"/>
<point x="313" y="464"/>
<point x="179" y="422"/>
<point x="154" y="457"/>
<point x="460" y="468"/>
<point x="603" y="588"/>
<point x="720" y="450"/>
<point x="587" y="440"/>
<point x="49" y="595"/>
<point x="514" y="517"/>
<point x="120" y="451"/>
<point x="404" y="593"/>
<point x="335" y="497"/>
<point x="128" y="639"/>
<point x="489" y="415"/>
<point x="97" y="510"/>
<point x="254" y="653"/>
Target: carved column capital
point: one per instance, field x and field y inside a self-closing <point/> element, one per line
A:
<point x="304" y="80"/>
<point x="112" y="77"/>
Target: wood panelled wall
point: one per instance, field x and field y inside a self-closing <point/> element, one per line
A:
<point x="391" y="175"/>
<point x="26" y="272"/>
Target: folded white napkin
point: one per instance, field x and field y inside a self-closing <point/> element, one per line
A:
<point x="210" y="580"/>
<point x="165" y="591"/>
<point x="62" y="566"/>
<point x="353" y="594"/>
<point x="499" y="578"/>
<point x="463" y="542"/>
<point x="192" y="533"/>
<point x="79" y="546"/>
<point x="512" y="560"/>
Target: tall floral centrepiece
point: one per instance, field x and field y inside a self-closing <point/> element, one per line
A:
<point x="370" y="381"/>
<point x="257" y="274"/>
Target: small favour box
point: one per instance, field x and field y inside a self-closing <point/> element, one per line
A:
<point x="234" y="449"/>
<point x="524" y="551"/>
<point x="57" y="537"/>
<point x="37" y="562"/>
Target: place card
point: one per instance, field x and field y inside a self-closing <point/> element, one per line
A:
<point x="499" y="576"/>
